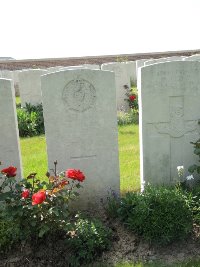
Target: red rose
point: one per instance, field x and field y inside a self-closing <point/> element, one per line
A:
<point x="10" y="171"/>
<point x="132" y="97"/>
<point x="38" y="197"/>
<point x="25" y="193"/>
<point x="75" y="175"/>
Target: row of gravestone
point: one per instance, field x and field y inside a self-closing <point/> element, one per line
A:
<point x="27" y="82"/>
<point x="81" y="124"/>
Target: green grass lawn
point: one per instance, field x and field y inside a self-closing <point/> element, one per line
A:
<point x="34" y="157"/>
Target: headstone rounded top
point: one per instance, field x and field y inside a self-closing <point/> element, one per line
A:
<point x="79" y="95"/>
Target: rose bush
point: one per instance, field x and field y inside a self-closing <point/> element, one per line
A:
<point x="38" y="207"/>
<point x="132" y="98"/>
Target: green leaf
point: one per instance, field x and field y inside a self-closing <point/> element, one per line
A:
<point x="198" y="169"/>
<point x="43" y="230"/>
<point x="197" y="151"/>
<point x="192" y="168"/>
<point x="5" y="195"/>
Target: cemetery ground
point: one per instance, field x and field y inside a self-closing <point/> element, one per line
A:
<point x="126" y="246"/>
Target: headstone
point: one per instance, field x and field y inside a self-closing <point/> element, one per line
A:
<point x="193" y="58"/>
<point x="164" y="59"/>
<point x="122" y="81"/>
<point x="11" y="75"/>
<point x="84" y="66"/>
<point x="16" y="82"/>
<point x="30" y="86"/>
<point x="131" y="71"/>
<point x="139" y="64"/>
<point x="169" y="98"/>
<point x="92" y="66"/>
<point x="9" y="134"/>
<point x="54" y="69"/>
<point x="81" y="128"/>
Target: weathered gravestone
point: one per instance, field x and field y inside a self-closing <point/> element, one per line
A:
<point x="122" y="81"/>
<point x="30" y="86"/>
<point x="84" y="66"/>
<point x="9" y="134"/>
<point x="11" y="75"/>
<point x="193" y="58"/>
<point x="81" y="128"/>
<point x="139" y="64"/>
<point x="164" y="59"/>
<point x="169" y="96"/>
<point x="131" y="71"/>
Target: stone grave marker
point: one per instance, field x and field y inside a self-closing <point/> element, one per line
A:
<point x="131" y="71"/>
<point x="30" y="86"/>
<point x="140" y="63"/>
<point x="84" y="66"/>
<point x="9" y="134"/>
<point x="81" y="128"/>
<point x="122" y="81"/>
<point x="169" y="98"/>
<point x="193" y="58"/>
<point x="164" y="59"/>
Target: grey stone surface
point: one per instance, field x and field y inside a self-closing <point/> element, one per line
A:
<point x="30" y="86"/>
<point x="193" y="58"/>
<point x="164" y="59"/>
<point x="139" y="64"/>
<point x="54" y="69"/>
<point x="81" y="128"/>
<point x="92" y="66"/>
<point x="122" y="80"/>
<point x="169" y="98"/>
<point x="84" y="66"/>
<point x="16" y="82"/>
<point x="7" y="74"/>
<point x="9" y="134"/>
<point x="131" y="71"/>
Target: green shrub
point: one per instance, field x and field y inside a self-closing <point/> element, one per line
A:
<point x="160" y="215"/>
<point x="124" y="118"/>
<point x="9" y="233"/>
<point x="192" y="197"/>
<point x="111" y="204"/>
<point x="30" y="120"/>
<point x="88" y="239"/>
<point x="40" y="208"/>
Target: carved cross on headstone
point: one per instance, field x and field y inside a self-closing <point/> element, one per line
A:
<point x="176" y="128"/>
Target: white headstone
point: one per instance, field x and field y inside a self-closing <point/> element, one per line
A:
<point x="169" y="95"/>
<point x="84" y="66"/>
<point x="139" y="64"/>
<point x="92" y="66"/>
<point x="131" y="71"/>
<point x="16" y="82"/>
<point x="193" y="58"/>
<point x="81" y="128"/>
<point x="8" y="74"/>
<point x="30" y="86"/>
<point x="161" y="60"/>
<point x="122" y="81"/>
<point x="9" y="134"/>
<point x="54" y="69"/>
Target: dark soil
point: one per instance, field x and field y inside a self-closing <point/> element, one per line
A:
<point x="126" y="247"/>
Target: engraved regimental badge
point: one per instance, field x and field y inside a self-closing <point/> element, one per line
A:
<point x="79" y="95"/>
